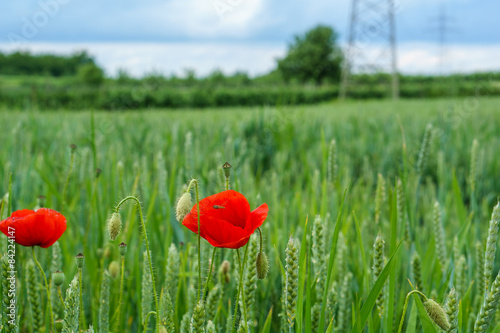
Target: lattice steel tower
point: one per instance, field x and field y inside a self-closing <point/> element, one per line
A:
<point x="442" y="26"/>
<point x="371" y="46"/>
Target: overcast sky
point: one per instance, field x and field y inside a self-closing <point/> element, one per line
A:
<point x="171" y="35"/>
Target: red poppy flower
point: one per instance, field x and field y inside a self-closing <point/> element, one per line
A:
<point x="226" y="219"/>
<point x="42" y="227"/>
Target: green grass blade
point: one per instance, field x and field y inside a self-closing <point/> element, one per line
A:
<point x="360" y="244"/>
<point x="392" y="276"/>
<point x="267" y="324"/>
<point x="333" y="250"/>
<point x="461" y="211"/>
<point x="375" y="291"/>
<point x="412" y="321"/>
<point x="302" y="277"/>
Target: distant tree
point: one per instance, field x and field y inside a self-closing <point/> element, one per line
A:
<point x="217" y="77"/>
<point x="91" y="74"/>
<point x="312" y="57"/>
<point x="25" y="63"/>
<point x="240" y="78"/>
<point x="123" y="76"/>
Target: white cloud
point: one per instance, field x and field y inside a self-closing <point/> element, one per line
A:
<point x="212" y="18"/>
<point x="424" y="58"/>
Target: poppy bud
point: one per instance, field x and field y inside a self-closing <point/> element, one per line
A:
<point x="97" y="172"/>
<point x="184" y="205"/>
<point x="41" y="201"/>
<point x="122" y="249"/>
<point x="59" y="325"/>
<point x="227" y="169"/>
<point x="262" y="265"/>
<point x="437" y="314"/>
<point x="114" y="225"/>
<point x="99" y="252"/>
<point x="114" y="269"/>
<point x="79" y="260"/>
<point x="224" y="271"/>
<point x="58" y="278"/>
<point x="72" y="147"/>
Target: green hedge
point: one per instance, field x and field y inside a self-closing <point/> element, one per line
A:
<point x="115" y="97"/>
<point x="125" y="98"/>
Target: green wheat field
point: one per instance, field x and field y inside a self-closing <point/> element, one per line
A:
<point x="368" y="201"/>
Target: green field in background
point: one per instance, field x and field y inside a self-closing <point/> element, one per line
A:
<point x="280" y="155"/>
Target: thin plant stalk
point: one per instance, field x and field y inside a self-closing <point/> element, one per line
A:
<point x="406" y="306"/>
<point x="195" y="183"/>
<point x="46" y="288"/>
<point x="209" y="273"/>
<point x="240" y="289"/>
<point x="117" y="314"/>
<point x="82" y="312"/>
<point x="148" y="252"/>
<point x="199" y="238"/>
<point x="60" y="297"/>
<point x="71" y="163"/>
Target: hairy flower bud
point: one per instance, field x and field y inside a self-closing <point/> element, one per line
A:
<point x="224" y="271"/>
<point x="114" y="225"/>
<point x="262" y="265"/>
<point x="183" y="207"/>
<point x="437" y="314"/>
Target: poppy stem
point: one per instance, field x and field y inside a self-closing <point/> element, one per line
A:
<point x="191" y="183"/>
<point x="199" y="236"/>
<point x="240" y="290"/>
<point x="60" y="297"/>
<point x="46" y="288"/>
<point x="260" y="234"/>
<point x="209" y="273"/>
<point x="82" y="311"/>
<point x="143" y="224"/>
<point x="116" y="316"/>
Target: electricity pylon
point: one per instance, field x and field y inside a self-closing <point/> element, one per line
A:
<point x="371" y="45"/>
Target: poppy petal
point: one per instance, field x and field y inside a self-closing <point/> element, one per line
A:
<point x="230" y="206"/>
<point x="29" y="228"/>
<point x="56" y="226"/>
<point x="221" y="231"/>
<point x="259" y="215"/>
<point x="225" y="219"/>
